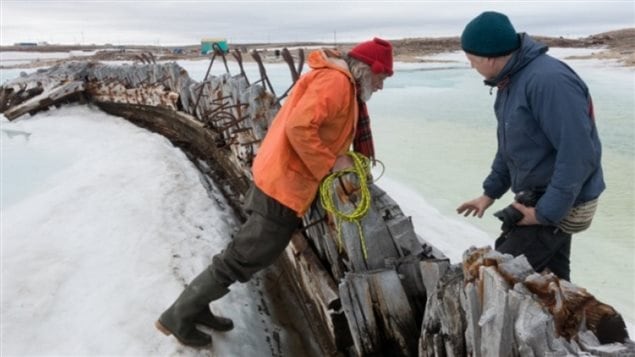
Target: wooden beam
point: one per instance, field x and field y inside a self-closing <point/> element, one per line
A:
<point x="45" y="99"/>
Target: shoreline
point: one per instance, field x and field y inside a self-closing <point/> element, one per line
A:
<point x="624" y="59"/>
<point x="615" y="45"/>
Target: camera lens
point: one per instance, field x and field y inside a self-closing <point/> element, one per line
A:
<point x="509" y="216"/>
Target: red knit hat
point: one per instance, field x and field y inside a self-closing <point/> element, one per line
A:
<point x="376" y="53"/>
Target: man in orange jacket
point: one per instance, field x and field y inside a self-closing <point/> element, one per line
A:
<point x="323" y="116"/>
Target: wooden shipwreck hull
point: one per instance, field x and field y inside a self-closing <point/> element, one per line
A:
<point x="405" y="299"/>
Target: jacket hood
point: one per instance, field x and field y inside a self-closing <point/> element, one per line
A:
<point x="528" y="51"/>
<point x="329" y="59"/>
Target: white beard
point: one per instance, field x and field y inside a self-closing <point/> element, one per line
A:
<point x="365" y="90"/>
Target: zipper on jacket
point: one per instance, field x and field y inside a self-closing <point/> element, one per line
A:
<point x="503" y="95"/>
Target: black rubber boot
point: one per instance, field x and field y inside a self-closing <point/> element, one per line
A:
<point x="180" y="318"/>
<point x="192" y="337"/>
<point x="218" y="323"/>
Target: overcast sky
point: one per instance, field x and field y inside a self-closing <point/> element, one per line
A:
<point x="186" y="22"/>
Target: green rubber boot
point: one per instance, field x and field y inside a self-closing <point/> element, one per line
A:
<point x="180" y="319"/>
<point x="218" y="323"/>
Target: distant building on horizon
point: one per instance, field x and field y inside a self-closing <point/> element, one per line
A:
<point x="208" y="44"/>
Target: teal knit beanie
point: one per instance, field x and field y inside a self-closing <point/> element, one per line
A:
<point x="490" y="34"/>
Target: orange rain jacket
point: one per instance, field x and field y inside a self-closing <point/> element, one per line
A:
<point x="314" y="126"/>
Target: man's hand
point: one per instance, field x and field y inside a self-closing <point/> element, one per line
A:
<point x="475" y="207"/>
<point x="529" y="215"/>
<point x="342" y="162"/>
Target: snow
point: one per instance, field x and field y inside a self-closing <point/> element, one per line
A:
<point x="23" y="57"/>
<point x="455" y="58"/>
<point x="105" y="239"/>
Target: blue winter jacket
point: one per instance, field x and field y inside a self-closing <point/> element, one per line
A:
<point x="547" y="138"/>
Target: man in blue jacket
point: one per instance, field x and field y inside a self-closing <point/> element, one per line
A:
<point x="548" y="146"/>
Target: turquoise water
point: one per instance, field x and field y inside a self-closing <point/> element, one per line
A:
<point x="25" y="168"/>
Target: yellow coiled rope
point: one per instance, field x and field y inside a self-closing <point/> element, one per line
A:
<point x="361" y="167"/>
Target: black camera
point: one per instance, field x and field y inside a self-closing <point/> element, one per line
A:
<point x="510" y="215"/>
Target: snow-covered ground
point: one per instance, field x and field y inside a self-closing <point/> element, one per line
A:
<point x="457" y="58"/>
<point x="10" y="58"/>
<point x="109" y="222"/>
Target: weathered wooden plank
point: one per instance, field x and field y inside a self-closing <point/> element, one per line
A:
<point x="45" y="99"/>
<point x="514" y="270"/>
<point x="384" y="203"/>
<point x="337" y="266"/>
<point x="451" y="315"/>
<point x="533" y="327"/>
<point x="313" y="283"/>
<point x="357" y="305"/>
<point x="590" y="343"/>
<point x="431" y="272"/>
<point x="472" y="306"/>
<point x="400" y="331"/>
<point x="444" y="316"/>
<point x="409" y="271"/>
<point x="496" y="319"/>
<point x="377" y="309"/>
<point x="152" y="95"/>
<point x="540" y="307"/>
<point x="438" y="345"/>
<point x="316" y="279"/>
<point x="403" y="233"/>
<point x="375" y="236"/>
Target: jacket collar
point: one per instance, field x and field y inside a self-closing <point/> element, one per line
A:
<point x="329" y="59"/>
<point x="528" y="51"/>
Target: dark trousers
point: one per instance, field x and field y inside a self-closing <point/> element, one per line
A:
<point x="543" y="246"/>
<point x="258" y="242"/>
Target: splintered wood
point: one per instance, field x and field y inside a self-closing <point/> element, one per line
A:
<point x="511" y="310"/>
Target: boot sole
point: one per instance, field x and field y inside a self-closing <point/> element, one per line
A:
<point x="164" y="330"/>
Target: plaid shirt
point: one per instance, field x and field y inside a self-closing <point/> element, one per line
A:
<point x="363" y="141"/>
